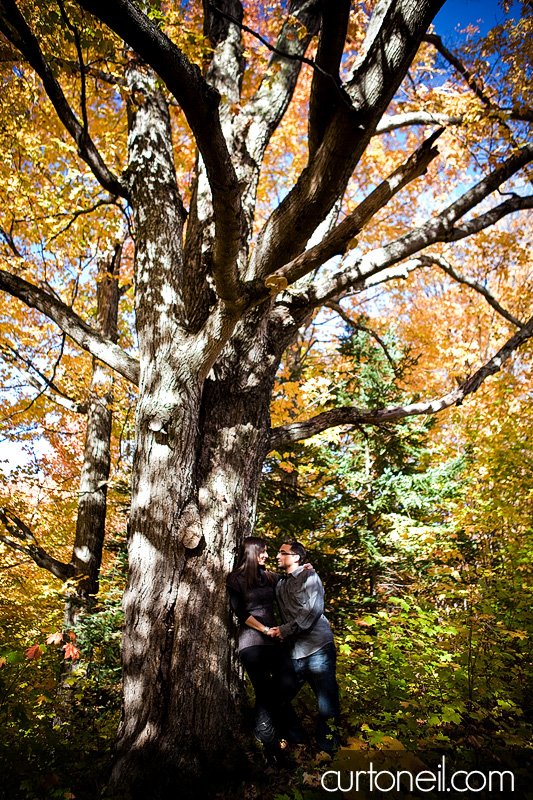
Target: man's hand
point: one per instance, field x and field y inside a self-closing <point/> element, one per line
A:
<point x="275" y="634"/>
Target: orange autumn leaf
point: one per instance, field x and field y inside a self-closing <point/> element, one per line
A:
<point x="34" y="652"/>
<point x="54" y="638"/>
<point x="71" y="651"/>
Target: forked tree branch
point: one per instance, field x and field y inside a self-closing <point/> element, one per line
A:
<point x="16" y="30"/>
<point x="389" y="49"/>
<point x="25" y="542"/>
<point x="73" y="325"/>
<point x="285" y="435"/>
<point x="479" y="223"/>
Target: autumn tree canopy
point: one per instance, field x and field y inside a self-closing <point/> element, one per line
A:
<point x="262" y="165"/>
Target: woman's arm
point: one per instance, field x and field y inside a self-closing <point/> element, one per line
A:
<point x="252" y="622"/>
<point x="239" y="607"/>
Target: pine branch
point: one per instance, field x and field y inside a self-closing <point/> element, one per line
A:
<point x="356" y="326"/>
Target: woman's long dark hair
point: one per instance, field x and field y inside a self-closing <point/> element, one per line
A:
<point x="246" y="566"/>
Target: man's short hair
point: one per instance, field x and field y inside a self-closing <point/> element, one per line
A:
<point x="298" y="550"/>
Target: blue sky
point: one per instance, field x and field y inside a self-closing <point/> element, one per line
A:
<point x="484" y="13"/>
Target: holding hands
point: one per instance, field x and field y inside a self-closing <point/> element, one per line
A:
<point x="275" y="634"/>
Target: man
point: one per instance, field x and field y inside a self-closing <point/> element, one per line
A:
<point x="300" y="597"/>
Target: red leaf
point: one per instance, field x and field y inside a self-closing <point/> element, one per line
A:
<point x="55" y="638"/>
<point x="71" y="651"/>
<point x="34" y="652"/>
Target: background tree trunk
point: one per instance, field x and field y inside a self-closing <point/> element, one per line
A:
<point x="91" y="520"/>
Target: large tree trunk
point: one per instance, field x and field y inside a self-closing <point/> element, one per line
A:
<point x="200" y="446"/>
<point x="183" y="696"/>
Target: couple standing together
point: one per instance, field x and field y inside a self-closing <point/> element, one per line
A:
<point x="280" y="659"/>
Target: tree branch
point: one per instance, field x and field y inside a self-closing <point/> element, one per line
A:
<point x="429" y="260"/>
<point x="50" y="390"/>
<point x="81" y="211"/>
<point x="69" y="322"/>
<point x="94" y="72"/>
<point x="438" y="44"/>
<point x="326" y="91"/>
<point x="16" y="30"/>
<point x="341" y="237"/>
<point x="439" y="228"/>
<point x="285" y="435"/>
<point x="391" y="122"/>
<point x="11" y="242"/>
<point x="83" y="100"/>
<point x="18" y="529"/>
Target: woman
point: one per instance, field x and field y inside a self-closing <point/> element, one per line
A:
<point x="251" y="588"/>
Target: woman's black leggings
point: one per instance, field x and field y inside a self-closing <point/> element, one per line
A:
<point x="271" y="672"/>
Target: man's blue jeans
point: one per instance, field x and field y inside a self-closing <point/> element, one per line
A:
<point x="318" y="670"/>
